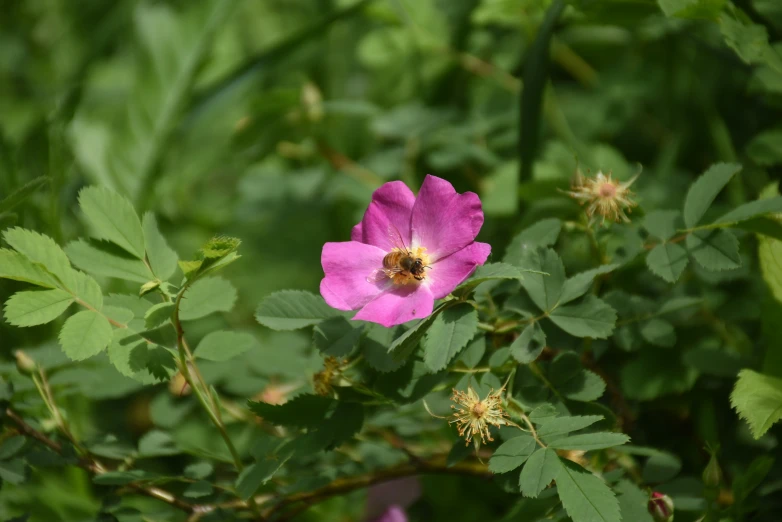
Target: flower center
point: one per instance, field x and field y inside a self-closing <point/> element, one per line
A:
<point x="607" y="190"/>
<point x="478" y="410"/>
<point x="406" y="267"/>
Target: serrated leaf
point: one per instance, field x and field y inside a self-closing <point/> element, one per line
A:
<point x="758" y="399"/>
<point x="750" y="210"/>
<point x="544" y="290"/>
<point x="586" y="498"/>
<point x="36" y="306"/>
<point x="576" y="286"/>
<point x="17" y="267"/>
<point x="714" y="249"/>
<point x="512" y="454"/>
<point x="668" y="261"/>
<point x="489" y="272"/>
<point x="85" y="334"/>
<point x="544" y="233"/>
<point x="375" y="348"/>
<point x="590" y="441"/>
<point x="223" y="345"/>
<point x="529" y="344"/>
<point x="541" y="468"/>
<point x="449" y="333"/>
<point x="336" y="337"/>
<point x="39" y="248"/>
<point x="558" y="426"/>
<point x="544" y="413"/>
<point x="162" y="258"/>
<point x="207" y="296"/>
<point x="704" y="191"/>
<point x="663" y="224"/>
<point x="591" y="317"/>
<point x="113" y="218"/>
<point x="255" y="475"/>
<point x="101" y="259"/>
<point x="220" y="246"/>
<point x="573" y="381"/>
<point x="748" y="40"/>
<point x="632" y="502"/>
<point x="402" y="346"/>
<point x="293" y="309"/>
<point x="301" y="411"/>
<point x="474" y="352"/>
<point x="157" y="315"/>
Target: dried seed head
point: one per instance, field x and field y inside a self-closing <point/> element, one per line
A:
<point x="473" y="416"/>
<point x="604" y="196"/>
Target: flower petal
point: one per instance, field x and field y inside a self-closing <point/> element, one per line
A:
<point x="392" y="204"/>
<point x="347" y="266"/>
<point x="392" y="514"/>
<point x="398" y="305"/>
<point x="444" y="221"/>
<point x="449" y="272"/>
<point x="357" y="233"/>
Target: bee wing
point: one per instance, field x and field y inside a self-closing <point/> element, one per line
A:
<point x="378" y="276"/>
<point x="396" y="238"/>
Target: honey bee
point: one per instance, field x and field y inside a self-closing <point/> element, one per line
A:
<point x="400" y="263"/>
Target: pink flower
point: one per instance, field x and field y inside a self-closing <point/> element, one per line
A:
<point x="405" y="253"/>
<point x="392" y="514"/>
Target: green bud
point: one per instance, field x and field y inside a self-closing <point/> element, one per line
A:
<point x="148" y="287"/>
<point x="24" y="363"/>
<point x="712" y="475"/>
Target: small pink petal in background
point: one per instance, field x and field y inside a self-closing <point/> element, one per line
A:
<point x="392" y="514"/>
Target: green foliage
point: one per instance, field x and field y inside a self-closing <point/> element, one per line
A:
<point x="137" y="385"/>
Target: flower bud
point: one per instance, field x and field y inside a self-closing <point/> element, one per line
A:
<point x="24" y="363"/>
<point x="660" y="506"/>
<point x="712" y="475"/>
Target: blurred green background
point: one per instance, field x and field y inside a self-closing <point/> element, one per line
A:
<point x="274" y="120"/>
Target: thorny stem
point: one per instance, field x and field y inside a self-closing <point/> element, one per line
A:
<point x="209" y="403"/>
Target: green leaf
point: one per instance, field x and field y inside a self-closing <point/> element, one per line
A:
<point x="157" y="315"/>
<point x="703" y="192"/>
<point x="207" y="296"/>
<point x="101" y="259"/>
<point x="586" y="498"/>
<point x="500" y="189"/>
<point x="544" y="290"/>
<point x="658" y="333"/>
<point x="633" y="502"/>
<point x="529" y="344"/>
<point x="574" y="382"/>
<point x="12" y="471"/>
<point x="113" y="218"/>
<point x="449" y="333"/>
<point x="224" y="345"/>
<point x="541" y="468"/>
<point x="751" y="210"/>
<point x="120" y="478"/>
<point x="126" y="154"/>
<point x="489" y="272"/>
<point x="714" y="249"/>
<point x="36" y="306"/>
<point x="156" y="443"/>
<point x="544" y="233"/>
<point x="559" y="426"/>
<point x="17" y="267"/>
<point x="336" y="337"/>
<point x="512" y="454"/>
<point x="758" y="399"/>
<point x="663" y="224"/>
<point x="591" y="317"/>
<point x="748" y="40"/>
<point x="199" y="470"/>
<point x="750" y="479"/>
<point x="293" y="309"/>
<point x="199" y="489"/>
<point x="85" y="334"/>
<point x="590" y="441"/>
<point x="41" y="249"/>
<point x="255" y="475"/>
<point x="406" y="343"/>
<point x="18" y="196"/>
<point x="301" y="411"/>
<point x="691" y="8"/>
<point x="162" y="258"/>
<point x="375" y="348"/>
<point x="668" y="261"/>
<point x="765" y="148"/>
<point x="576" y="286"/>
